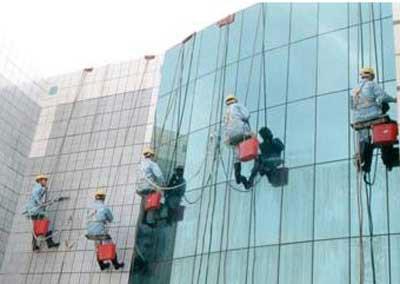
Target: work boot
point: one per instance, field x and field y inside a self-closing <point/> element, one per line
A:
<point x="103" y="265"/>
<point x="117" y="265"/>
<point x="50" y="242"/>
<point x="34" y="244"/>
<point x="238" y="176"/>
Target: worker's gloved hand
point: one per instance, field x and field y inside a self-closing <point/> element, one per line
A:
<point x="385" y="108"/>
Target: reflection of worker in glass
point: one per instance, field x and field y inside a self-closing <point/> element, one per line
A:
<point x="98" y="216"/>
<point x="152" y="177"/>
<point x="369" y="102"/>
<point x="237" y="129"/>
<point x="173" y="196"/>
<point x="144" y="248"/>
<point x="36" y="209"/>
<point x="269" y="158"/>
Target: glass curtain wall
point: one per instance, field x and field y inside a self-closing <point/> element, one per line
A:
<point x="293" y="66"/>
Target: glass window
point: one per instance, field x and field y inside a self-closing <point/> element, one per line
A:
<point x="388" y="50"/>
<point x="303" y="60"/>
<point x="395" y="258"/>
<point x="251" y="41"/>
<point x="295" y="266"/>
<point x="332" y="16"/>
<point x="170" y="69"/>
<point x="386" y="9"/>
<point x="380" y="256"/>
<point x="235" y="38"/>
<point x="331" y="262"/>
<point x="210" y="45"/>
<point x="300" y="133"/>
<point x="276" y="73"/>
<point x="378" y="202"/>
<point x="332" y="127"/>
<point x="304" y="20"/>
<point x="333" y="62"/>
<point x="203" y="101"/>
<point x="277" y="24"/>
<point x="267" y="217"/>
<point x="331" y="201"/>
<point x="249" y="83"/>
<point x="297" y="217"/>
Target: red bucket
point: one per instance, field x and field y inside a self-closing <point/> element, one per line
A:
<point x="248" y="149"/>
<point x="41" y="227"/>
<point x="384" y="134"/>
<point x="106" y="251"/>
<point x="153" y="201"/>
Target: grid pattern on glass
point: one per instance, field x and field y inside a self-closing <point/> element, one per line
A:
<point x="306" y="231"/>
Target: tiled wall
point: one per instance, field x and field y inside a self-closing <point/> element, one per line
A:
<point x="90" y="133"/>
<point x="18" y="117"/>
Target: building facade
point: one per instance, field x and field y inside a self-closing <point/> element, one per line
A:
<point x="293" y="66"/>
<point x="19" y="113"/>
<point x="90" y="133"/>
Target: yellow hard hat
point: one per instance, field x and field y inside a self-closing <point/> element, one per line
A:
<point x="100" y="192"/>
<point x="367" y="70"/>
<point x="39" y="177"/>
<point x="148" y="151"/>
<point x="230" y="98"/>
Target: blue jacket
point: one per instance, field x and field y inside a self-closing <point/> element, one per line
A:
<point x="236" y="121"/>
<point x="151" y="171"/>
<point x="98" y="216"/>
<point x="367" y="100"/>
<point x="34" y="205"/>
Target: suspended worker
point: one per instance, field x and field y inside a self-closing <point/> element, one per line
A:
<point x="36" y="209"/>
<point x="173" y="196"/>
<point x="98" y="217"/>
<point x="152" y="178"/>
<point x="237" y="129"/>
<point x="269" y="159"/>
<point x="369" y="102"/>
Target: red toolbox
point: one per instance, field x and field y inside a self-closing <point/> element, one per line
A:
<point x="153" y="201"/>
<point x="384" y="134"/>
<point x="248" y="149"/>
<point x="41" y="227"/>
<point x="106" y="251"/>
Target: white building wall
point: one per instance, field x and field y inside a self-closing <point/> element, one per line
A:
<point x="89" y="134"/>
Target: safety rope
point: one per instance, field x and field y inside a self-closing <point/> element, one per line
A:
<point x="360" y="47"/>
<point x="56" y="166"/>
<point x="205" y="183"/>
<point x="218" y="131"/>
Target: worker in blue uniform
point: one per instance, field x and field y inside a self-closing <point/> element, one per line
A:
<point x="98" y="217"/>
<point x="36" y="209"/>
<point x="269" y="159"/>
<point x="237" y="129"/>
<point x="151" y="179"/>
<point x="368" y="103"/>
